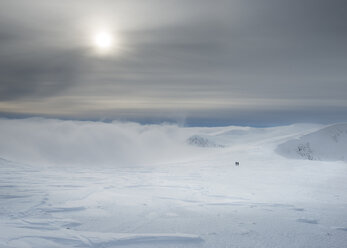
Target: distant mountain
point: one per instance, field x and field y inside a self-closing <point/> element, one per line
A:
<point x="327" y="144"/>
<point x="197" y="140"/>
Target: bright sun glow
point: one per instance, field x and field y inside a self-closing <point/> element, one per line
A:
<point x="103" y="41"/>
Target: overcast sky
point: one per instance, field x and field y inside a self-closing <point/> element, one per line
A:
<point x="195" y="61"/>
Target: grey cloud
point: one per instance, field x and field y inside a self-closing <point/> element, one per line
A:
<point x="38" y="75"/>
<point x="264" y="49"/>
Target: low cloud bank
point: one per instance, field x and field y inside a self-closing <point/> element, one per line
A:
<point x="58" y="142"/>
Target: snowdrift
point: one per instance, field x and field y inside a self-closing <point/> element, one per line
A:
<point x="327" y="144"/>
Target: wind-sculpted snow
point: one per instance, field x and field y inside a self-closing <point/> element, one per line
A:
<point x="70" y="238"/>
<point x="329" y="143"/>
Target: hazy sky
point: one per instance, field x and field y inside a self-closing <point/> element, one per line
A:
<point x="195" y="61"/>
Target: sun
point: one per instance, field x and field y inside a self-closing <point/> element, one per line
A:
<point x="103" y="41"/>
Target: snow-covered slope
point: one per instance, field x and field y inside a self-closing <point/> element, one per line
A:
<point x="327" y="144"/>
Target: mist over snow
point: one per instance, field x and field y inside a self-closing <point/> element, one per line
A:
<point x="60" y="142"/>
<point x="42" y="141"/>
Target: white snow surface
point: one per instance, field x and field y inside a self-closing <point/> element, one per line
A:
<point x="329" y="143"/>
<point x="90" y="184"/>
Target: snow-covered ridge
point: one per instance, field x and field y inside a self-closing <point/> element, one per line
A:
<point x="327" y="144"/>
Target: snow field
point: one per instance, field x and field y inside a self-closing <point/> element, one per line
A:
<point x="197" y="199"/>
